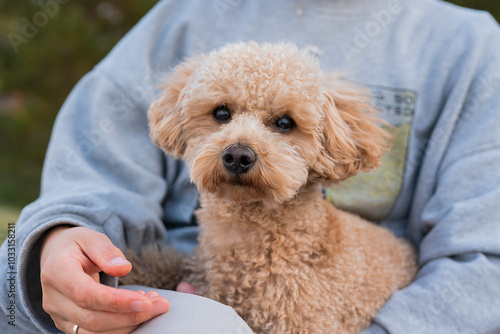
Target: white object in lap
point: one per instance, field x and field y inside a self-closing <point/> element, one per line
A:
<point x="191" y="314"/>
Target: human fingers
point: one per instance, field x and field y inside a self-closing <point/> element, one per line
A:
<point x="100" y="250"/>
<point x="92" y="249"/>
<point x="83" y="291"/>
<point x="69" y="261"/>
<point x="107" y="322"/>
<point x="186" y="288"/>
<point x="69" y="328"/>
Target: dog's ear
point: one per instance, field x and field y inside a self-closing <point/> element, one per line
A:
<point x="166" y="117"/>
<point x="352" y="137"/>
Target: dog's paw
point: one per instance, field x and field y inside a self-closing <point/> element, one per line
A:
<point x="156" y="266"/>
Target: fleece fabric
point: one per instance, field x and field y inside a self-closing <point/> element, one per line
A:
<point x="434" y="69"/>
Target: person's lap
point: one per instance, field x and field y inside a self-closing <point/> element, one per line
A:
<point x="192" y="314"/>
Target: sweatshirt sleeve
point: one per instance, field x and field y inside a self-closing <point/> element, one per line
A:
<point x="457" y="288"/>
<point x="101" y="170"/>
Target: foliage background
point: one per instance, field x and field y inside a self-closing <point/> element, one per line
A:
<point x="35" y="81"/>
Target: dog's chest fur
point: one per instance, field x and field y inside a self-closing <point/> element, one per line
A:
<point x="291" y="269"/>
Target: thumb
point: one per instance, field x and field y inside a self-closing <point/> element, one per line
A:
<point x="101" y="251"/>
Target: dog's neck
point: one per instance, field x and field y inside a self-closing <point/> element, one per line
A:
<point x="234" y="224"/>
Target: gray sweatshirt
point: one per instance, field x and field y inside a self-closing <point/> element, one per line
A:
<point x="435" y="72"/>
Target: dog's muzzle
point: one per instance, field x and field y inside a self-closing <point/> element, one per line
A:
<point x="238" y="159"/>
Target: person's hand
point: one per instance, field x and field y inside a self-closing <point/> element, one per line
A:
<point x="70" y="262"/>
<point x="185" y="287"/>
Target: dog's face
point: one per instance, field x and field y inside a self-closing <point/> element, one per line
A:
<point x="258" y="121"/>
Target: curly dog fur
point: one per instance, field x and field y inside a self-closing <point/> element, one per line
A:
<point x="270" y="246"/>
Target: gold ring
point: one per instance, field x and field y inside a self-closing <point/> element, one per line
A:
<point x="75" y="329"/>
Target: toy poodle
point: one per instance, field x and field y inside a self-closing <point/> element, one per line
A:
<point x="261" y="128"/>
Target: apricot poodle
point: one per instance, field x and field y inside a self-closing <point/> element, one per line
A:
<point x="260" y="128"/>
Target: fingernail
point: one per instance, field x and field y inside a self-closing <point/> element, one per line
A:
<point x="119" y="261"/>
<point x="161" y="306"/>
<point x="140" y="306"/>
<point x="153" y="294"/>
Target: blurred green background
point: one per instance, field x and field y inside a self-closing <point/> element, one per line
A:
<point x="36" y="78"/>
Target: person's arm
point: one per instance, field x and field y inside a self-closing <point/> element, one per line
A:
<point x="71" y="260"/>
<point x="457" y="288"/>
<point x="101" y="173"/>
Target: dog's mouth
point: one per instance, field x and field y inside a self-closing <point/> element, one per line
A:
<point x="240" y="189"/>
<point x="240" y="182"/>
<point x="237" y="182"/>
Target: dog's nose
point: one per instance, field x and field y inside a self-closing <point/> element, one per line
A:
<point x="238" y="159"/>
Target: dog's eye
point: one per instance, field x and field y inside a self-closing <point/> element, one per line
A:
<point x="222" y="114"/>
<point x="284" y="123"/>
